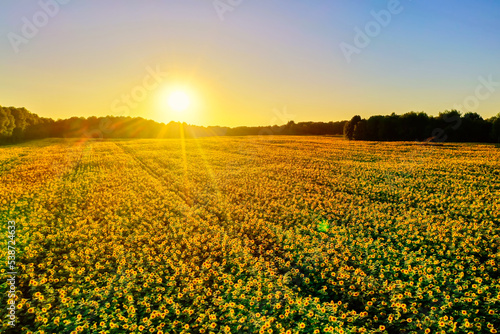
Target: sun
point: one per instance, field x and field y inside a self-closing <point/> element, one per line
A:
<point x="178" y="100"/>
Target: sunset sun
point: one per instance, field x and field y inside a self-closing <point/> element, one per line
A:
<point x="178" y="100"/>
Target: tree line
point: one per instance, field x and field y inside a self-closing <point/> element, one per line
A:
<point x="291" y="128"/>
<point x="18" y="124"/>
<point x="449" y="126"/>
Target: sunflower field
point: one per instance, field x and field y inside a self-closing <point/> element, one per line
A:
<point x="251" y="235"/>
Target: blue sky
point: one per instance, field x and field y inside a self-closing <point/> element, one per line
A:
<point x="262" y="57"/>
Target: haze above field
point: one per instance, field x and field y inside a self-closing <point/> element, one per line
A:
<point x="252" y="63"/>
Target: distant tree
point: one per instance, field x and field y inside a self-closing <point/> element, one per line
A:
<point x="337" y="128"/>
<point x="7" y="123"/>
<point x="349" y="127"/>
<point x="289" y="128"/>
<point x="392" y="123"/>
<point x="473" y="116"/>
<point x="360" y="130"/>
<point x="411" y="126"/>
<point x="495" y="129"/>
<point x="448" y="124"/>
<point x="473" y="129"/>
<point x="384" y="128"/>
<point x="451" y="117"/>
<point x="20" y="115"/>
<point x="372" y="125"/>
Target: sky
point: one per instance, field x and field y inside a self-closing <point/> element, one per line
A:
<point x="249" y="62"/>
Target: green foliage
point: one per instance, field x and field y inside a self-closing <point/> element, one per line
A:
<point x="350" y="127"/>
<point x="18" y="124"/>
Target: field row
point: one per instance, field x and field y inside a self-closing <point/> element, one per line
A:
<point x="252" y="235"/>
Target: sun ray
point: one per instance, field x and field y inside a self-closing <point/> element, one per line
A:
<point x="209" y="171"/>
<point x="184" y="157"/>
